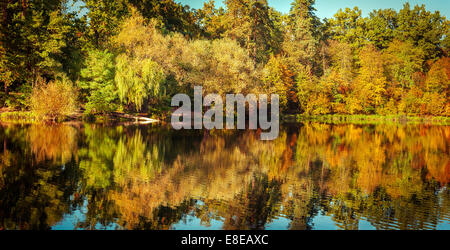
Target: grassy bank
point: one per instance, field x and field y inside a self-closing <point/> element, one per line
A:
<point x="372" y="119"/>
<point x="18" y="117"/>
<point x="29" y="117"/>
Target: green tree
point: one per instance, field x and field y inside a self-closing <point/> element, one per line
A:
<point x="422" y="28"/>
<point x="350" y="27"/>
<point x="338" y="79"/>
<point x="249" y="23"/>
<point x="98" y="82"/>
<point x="32" y="37"/>
<point x="12" y="51"/>
<point x="220" y="66"/>
<point x="103" y="18"/>
<point x="381" y="26"/>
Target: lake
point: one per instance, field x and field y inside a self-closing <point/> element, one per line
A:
<point x="314" y="176"/>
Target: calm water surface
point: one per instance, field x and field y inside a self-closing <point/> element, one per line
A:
<point x="314" y="176"/>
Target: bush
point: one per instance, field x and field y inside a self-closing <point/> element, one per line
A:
<point x="53" y="100"/>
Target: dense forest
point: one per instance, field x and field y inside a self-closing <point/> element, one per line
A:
<point x="133" y="56"/>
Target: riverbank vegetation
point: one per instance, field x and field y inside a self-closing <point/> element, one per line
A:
<point x="133" y="56"/>
<point x="370" y="119"/>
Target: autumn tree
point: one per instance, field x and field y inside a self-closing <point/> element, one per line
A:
<point x="104" y="17"/>
<point x="340" y="74"/>
<point x="173" y="16"/>
<point x="370" y="84"/>
<point x="280" y="80"/>
<point x="211" y="20"/>
<point x="438" y="78"/>
<point x="403" y="59"/>
<point x="422" y="28"/>
<point x="221" y="65"/>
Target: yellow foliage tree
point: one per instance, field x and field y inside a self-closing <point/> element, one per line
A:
<point x="370" y="84"/>
<point x="438" y="78"/>
<point x="280" y="80"/>
<point x="54" y="99"/>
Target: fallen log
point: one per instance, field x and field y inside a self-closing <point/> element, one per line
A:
<point x="132" y="117"/>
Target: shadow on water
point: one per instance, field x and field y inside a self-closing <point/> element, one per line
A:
<point x="314" y="176"/>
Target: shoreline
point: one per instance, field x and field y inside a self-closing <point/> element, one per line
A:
<point x="24" y="117"/>
<point x="27" y="117"/>
<point x="372" y="119"/>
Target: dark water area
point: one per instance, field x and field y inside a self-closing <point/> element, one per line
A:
<point x="313" y="177"/>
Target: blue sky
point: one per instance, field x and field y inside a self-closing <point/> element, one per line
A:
<point x="327" y="8"/>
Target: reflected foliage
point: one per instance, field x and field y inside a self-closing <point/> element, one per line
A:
<point x="147" y="177"/>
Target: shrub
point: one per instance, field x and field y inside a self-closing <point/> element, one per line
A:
<point x="53" y="100"/>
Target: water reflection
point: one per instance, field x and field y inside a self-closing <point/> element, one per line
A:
<point x="314" y="176"/>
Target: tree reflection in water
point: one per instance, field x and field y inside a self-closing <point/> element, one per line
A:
<point x="149" y="177"/>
